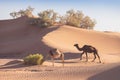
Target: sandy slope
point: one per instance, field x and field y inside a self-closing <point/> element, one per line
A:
<point x="65" y="37"/>
<point x="18" y="39"/>
<point x="68" y="36"/>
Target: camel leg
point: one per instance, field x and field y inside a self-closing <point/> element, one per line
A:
<point x="63" y="62"/>
<point x="94" y="58"/>
<point x="62" y="58"/>
<point x="52" y="59"/>
<point x="86" y="57"/>
<point x="81" y="55"/>
<point x="98" y="57"/>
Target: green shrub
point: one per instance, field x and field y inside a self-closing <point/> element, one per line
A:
<point x="34" y="59"/>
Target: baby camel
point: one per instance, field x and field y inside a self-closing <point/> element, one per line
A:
<point x="55" y="53"/>
<point x="88" y="49"/>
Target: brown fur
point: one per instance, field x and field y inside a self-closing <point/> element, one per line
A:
<point x="55" y="53"/>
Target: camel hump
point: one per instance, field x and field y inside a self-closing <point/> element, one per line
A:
<point x="89" y="46"/>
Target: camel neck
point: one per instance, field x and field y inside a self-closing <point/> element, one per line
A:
<point x="78" y="48"/>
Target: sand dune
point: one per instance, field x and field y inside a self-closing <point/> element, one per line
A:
<point x="68" y="36"/>
<point x="18" y="38"/>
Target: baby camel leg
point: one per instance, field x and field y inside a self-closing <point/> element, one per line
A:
<point x="52" y="59"/>
<point x="62" y="58"/>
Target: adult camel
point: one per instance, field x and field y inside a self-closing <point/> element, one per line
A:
<point x="88" y="49"/>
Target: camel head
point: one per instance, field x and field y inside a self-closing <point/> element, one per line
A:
<point x="75" y="44"/>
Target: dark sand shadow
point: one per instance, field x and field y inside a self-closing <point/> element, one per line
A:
<point x="111" y="74"/>
<point x="67" y="56"/>
<point x="13" y="64"/>
<point x="38" y="47"/>
<point x="70" y="55"/>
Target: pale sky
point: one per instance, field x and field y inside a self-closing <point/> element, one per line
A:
<point x="105" y="12"/>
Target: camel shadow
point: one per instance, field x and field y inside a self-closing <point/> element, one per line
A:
<point x="13" y="64"/>
<point x="70" y="55"/>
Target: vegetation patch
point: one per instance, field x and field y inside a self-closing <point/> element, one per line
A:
<point x="34" y="59"/>
<point x="49" y="18"/>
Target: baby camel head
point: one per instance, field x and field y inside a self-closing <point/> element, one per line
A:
<point x="75" y="44"/>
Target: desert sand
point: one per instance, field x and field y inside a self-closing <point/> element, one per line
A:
<point x="18" y="39"/>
